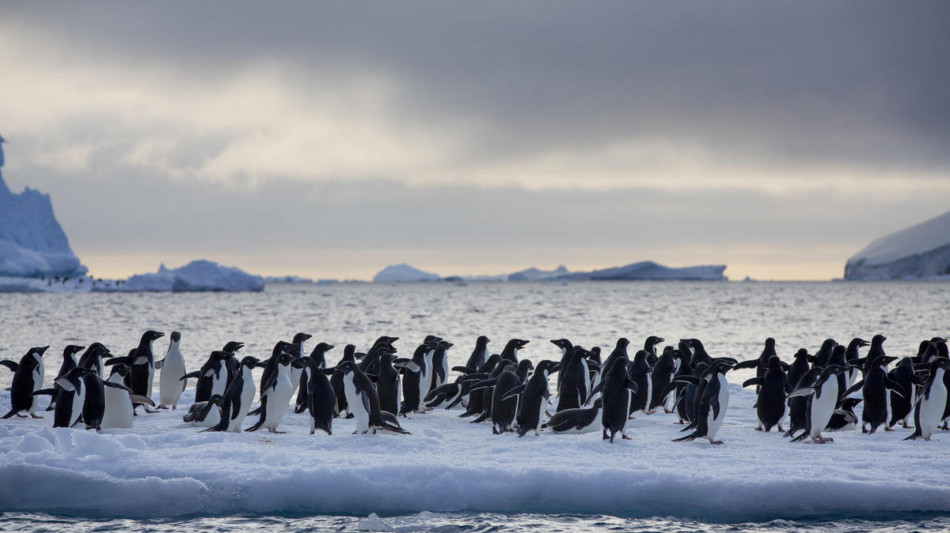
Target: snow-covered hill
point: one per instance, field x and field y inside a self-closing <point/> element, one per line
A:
<point x="920" y="251"/>
<point x="32" y="243"/>
<point x="403" y="273"/>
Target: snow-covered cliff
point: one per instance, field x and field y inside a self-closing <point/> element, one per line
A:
<point x="920" y="251"/>
<point x="32" y="243"/>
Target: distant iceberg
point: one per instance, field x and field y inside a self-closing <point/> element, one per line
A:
<point x="196" y="276"/>
<point x="918" y="252"/>
<point x="535" y="274"/>
<point x="287" y="279"/>
<point x="32" y="243"/>
<point x="648" y="270"/>
<point x="403" y="273"/>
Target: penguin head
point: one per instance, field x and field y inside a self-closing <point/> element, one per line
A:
<point x="653" y="340"/>
<point x="349" y="352"/>
<point x="431" y="339"/>
<point x="622" y="343"/>
<point x="721" y="366"/>
<point x="71" y="350"/>
<point x="563" y="344"/>
<point x="279" y="348"/>
<point x="176" y="336"/>
<point x="878" y="339"/>
<point x="121" y="369"/>
<point x="859" y="342"/>
<point x="546" y="366"/>
<point x="775" y="362"/>
<point x="285" y="359"/>
<point x="385" y="340"/>
<point x="96" y="350"/>
<point x="151" y="335"/>
<point x="300" y="338"/>
<point x="594" y="354"/>
<point x="519" y="343"/>
<point x="38" y="351"/>
<point x="828" y="344"/>
<point x="770" y="343"/>
<point x="524" y="367"/>
<point x="347" y="367"/>
<point x="232" y="347"/>
<point x="321" y="348"/>
<point x="251" y="362"/>
<point x="220" y="355"/>
<point x="216" y="399"/>
<point x="802" y="352"/>
<point x="482" y="341"/>
<point x="445" y="345"/>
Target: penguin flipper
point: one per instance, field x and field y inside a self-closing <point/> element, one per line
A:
<point x="895" y="387"/>
<point x="854" y="388"/>
<point x="12" y="365"/>
<point x="804" y="391"/>
<point x="119" y="386"/>
<point x="139" y="399"/>
<point x="47" y="392"/>
<point x="8" y="415"/>
<point x="751" y="363"/>
<point x="753" y="381"/>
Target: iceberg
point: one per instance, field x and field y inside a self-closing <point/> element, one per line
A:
<point x="535" y="274"/>
<point x="918" y="252"/>
<point x="649" y="270"/>
<point x="32" y="243"/>
<point x="287" y="279"/>
<point x="403" y="273"/>
<point x="197" y="276"/>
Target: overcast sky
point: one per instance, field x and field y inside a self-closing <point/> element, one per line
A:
<point x="331" y="139"/>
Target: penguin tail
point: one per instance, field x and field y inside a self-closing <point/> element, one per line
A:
<point x="255" y="412"/>
<point x="688" y="438"/>
<point x="256" y="426"/>
<point x="789" y="433"/>
<point x="484" y="417"/>
<point x="11" y="413"/>
<point x="800" y="437"/>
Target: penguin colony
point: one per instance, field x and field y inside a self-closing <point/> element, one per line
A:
<point x="815" y="394"/>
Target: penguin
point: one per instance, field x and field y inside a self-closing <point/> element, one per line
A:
<point x="822" y="398"/>
<point x="511" y="350"/>
<point x="321" y="400"/>
<point x="440" y="365"/>
<point x="770" y="403"/>
<point x="902" y="407"/>
<point x="844" y="417"/>
<point x="297" y="351"/>
<point x="853" y="358"/>
<point x="663" y="371"/>
<point x="530" y="400"/>
<point x="712" y="406"/>
<point x="69" y="362"/>
<point x="275" y="395"/>
<point x="874" y="389"/>
<point x="876" y="350"/>
<point x="583" y="420"/>
<point x="691" y="393"/>
<point x="761" y="365"/>
<point x="524" y="369"/>
<point x="336" y="380"/>
<point x="567" y="352"/>
<point x="318" y="356"/>
<point x="677" y="389"/>
<point x="389" y="384"/>
<point x="212" y="376"/>
<point x="649" y="346"/>
<point x="798" y="405"/>
<point x="238" y="397"/>
<point x="142" y="371"/>
<point x="486" y="388"/>
<point x="800" y="366"/>
<point x="92" y="358"/>
<point x="620" y="350"/>
<point x="70" y="398"/>
<point x="617" y="390"/>
<point x="932" y="401"/>
<point x="170" y="383"/>
<point x="270" y="367"/>
<point x="427" y="371"/>
<point x="839" y="358"/>
<point x="27" y="378"/>
<point x="640" y="371"/>
<point x="503" y="410"/>
<point x="574" y="380"/>
<point x="117" y="411"/>
<point x="412" y="381"/>
<point x="596" y="368"/>
<point x="699" y="353"/>
<point x="205" y="414"/>
<point x="364" y="403"/>
<point x="448" y="395"/>
<point x="823" y="355"/>
<point x="479" y="354"/>
<point x="370" y="360"/>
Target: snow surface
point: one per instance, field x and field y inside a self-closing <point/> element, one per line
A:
<point x="403" y="273"/>
<point x="32" y="243"/>
<point x="163" y="467"/>
<point x="197" y="276"/>
<point x="920" y="251"/>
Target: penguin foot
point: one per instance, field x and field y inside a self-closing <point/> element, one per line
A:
<point x="711" y="441"/>
<point x="18" y="415"/>
<point x="864" y="429"/>
<point x="162" y="407"/>
<point x="624" y="435"/>
<point x="781" y="430"/>
<point x="888" y="428"/>
<point x="273" y="430"/>
<point x="905" y="425"/>
<point x="34" y="415"/>
<point x="759" y="428"/>
<point x="651" y="412"/>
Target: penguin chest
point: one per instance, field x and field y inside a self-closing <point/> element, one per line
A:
<point x="118" y="410"/>
<point x="354" y="401"/>
<point x="219" y="381"/>
<point x="823" y="405"/>
<point x="277" y="400"/>
<point x="79" y="398"/>
<point x="932" y="408"/>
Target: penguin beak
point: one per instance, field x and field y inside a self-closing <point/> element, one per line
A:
<point x="42" y="350"/>
<point x="330" y="347"/>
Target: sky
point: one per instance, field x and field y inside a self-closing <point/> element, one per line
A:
<point x="330" y="139"/>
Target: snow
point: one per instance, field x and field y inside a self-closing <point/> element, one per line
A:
<point x="32" y="243"/>
<point x="197" y="276"/>
<point x="163" y="467"/>
<point x="403" y="273"/>
<point x="920" y="251"/>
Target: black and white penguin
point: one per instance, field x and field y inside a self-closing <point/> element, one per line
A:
<point x="319" y="357"/>
<point x="503" y="410"/>
<point x="205" y="414"/>
<point x="874" y="389"/>
<point x="620" y="350"/>
<point x="712" y="405"/>
<point x="270" y="366"/>
<point x="364" y="403"/>
<point x="440" y="365"/>
<point x="92" y="358"/>
<point x="574" y="380"/>
<point x="699" y="353"/>
<point x="486" y="389"/>
<point x="142" y="368"/>
<point x="800" y="366"/>
<point x="119" y="402"/>
<point x="70" y="398"/>
<point x="663" y="371"/>
<point x="932" y="401"/>
<point x="412" y="382"/>
<point x="844" y="418"/>
<point x="649" y="346"/>
<point x="473" y="400"/>
<point x="823" y="355"/>
<point x="617" y="392"/>
<point x="27" y="378"/>
<point x="852" y="356"/>
<point x="448" y="395"/>
<point x="762" y="363"/>
<point x="640" y="372"/>
<point x="212" y="376"/>
<point x="238" y="397"/>
<point x="902" y="406"/>
<point x="297" y="351"/>
<point x="479" y="354"/>
<point x="172" y="366"/>
<point x="534" y="394"/>
<point x="773" y="388"/>
<point x="822" y="399"/>
<point x="798" y="405"/>
<point x="276" y="395"/>
<point x="583" y="420"/>
<point x="321" y="400"/>
<point x="336" y="380"/>
<point x="231" y="362"/>
<point x="370" y="360"/>
<point x="567" y="352"/>
<point x="389" y="383"/>
<point x="876" y="350"/>
<point x="69" y="362"/>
